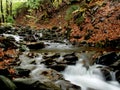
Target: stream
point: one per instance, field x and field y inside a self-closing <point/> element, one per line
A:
<point x="87" y="78"/>
<point x="82" y="72"/>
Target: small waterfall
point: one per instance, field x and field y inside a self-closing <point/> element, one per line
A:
<point x="16" y="37"/>
<point x="113" y="76"/>
<point x="88" y="78"/>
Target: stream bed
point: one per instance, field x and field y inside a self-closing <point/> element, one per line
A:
<point x="50" y="62"/>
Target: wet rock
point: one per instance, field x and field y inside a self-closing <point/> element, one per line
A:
<point x="31" y="38"/>
<point x="113" y="43"/>
<point x="11" y="38"/>
<point x="32" y="55"/>
<point x="30" y="84"/>
<point x="70" y="58"/>
<point x="9" y="44"/>
<point x="22" y="72"/>
<point x="2" y="29"/>
<point x="66" y="85"/>
<point x="52" y="63"/>
<point x="36" y="45"/>
<point x="107" y="59"/>
<point x="58" y="67"/>
<point x="118" y="76"/>
<point x="23" y="48"/>
<point x="106" y="73"/>
<point x="51" y="74"/>
<point x="6" y="83"/>
<point x="49" y="61"/>
<point x="4" y="71"/>
<point x="53" y="56"/>
<point x="116" y="65"/>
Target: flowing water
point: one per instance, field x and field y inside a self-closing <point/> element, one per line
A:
<point x="89" y="78"/>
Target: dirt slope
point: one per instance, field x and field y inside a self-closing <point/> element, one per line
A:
<point x="102" y="25"/>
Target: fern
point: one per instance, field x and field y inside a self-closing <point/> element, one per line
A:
<point x="56" y="3"/>
<point x="34" y="4"/>
<point x="69" y="12"/>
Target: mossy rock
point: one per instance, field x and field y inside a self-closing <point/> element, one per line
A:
<point x="6" y="84"/>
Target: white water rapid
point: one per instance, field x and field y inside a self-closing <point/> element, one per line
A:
<point x="91" y="79"/>
<point x="16" y="37"/>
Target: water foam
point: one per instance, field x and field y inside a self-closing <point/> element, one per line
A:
<point x="91" y="78"/>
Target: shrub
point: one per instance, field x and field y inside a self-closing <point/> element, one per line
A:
<point x="69" y="12"/>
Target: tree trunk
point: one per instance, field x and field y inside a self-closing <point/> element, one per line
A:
<point x="2" y="15"/>
<point x="7" y="8"/>
<point x="10" y="7"/>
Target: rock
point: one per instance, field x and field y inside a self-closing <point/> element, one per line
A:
<point x="31" y="38"/>
<point x="106" y="73"/>
<point x="116" y="65"/>
<point x="22" y="72"/>
<point x="53" y="56"/>
<point x="6" y="83"/>
<point x="66" y="85"/>
<point x="113" y="43"/>
<point x="10" y="38"/>
<point x="107" y="59"/>
<point x="48" y="61"/>
<point x="70" y="58"/>
<point x="30" y="84"/>
<point x="32" y="55"/>
<point x="52" y="75"/>
<point x="58" y="67"/>
<point x="9" y="43"/>
<point x="4" y="71"/>
<point x="2" y="29"/>
<point x="36" y="45"/>
<point x="23" y="48"/>
<point x="118" y="76"/>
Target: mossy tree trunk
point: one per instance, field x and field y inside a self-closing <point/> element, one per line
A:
<point x="11" y="7"/>
<point x="1" y="9"/>
<point x="7" y="9"/>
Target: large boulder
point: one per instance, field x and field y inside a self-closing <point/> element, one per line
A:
<point x="36" y="45"/>
<point x="70" y="58"/>
<point x="107" y="59"/>
<point x="66" y="85"/>
<point x="30" y="84"/>
<point x="6" y="83"/>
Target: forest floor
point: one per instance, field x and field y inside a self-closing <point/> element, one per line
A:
<point x="103" y="24"/>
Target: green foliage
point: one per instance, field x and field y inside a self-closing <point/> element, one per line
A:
<point x="77" y="12"/>
<point x="79" y="18"/>
<point x="9" y="19"/>
<point x="17" y="6"/>
<point x="56" y="3"/>
<point x="34" y="4"/>
<point x="69" y="12"/>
